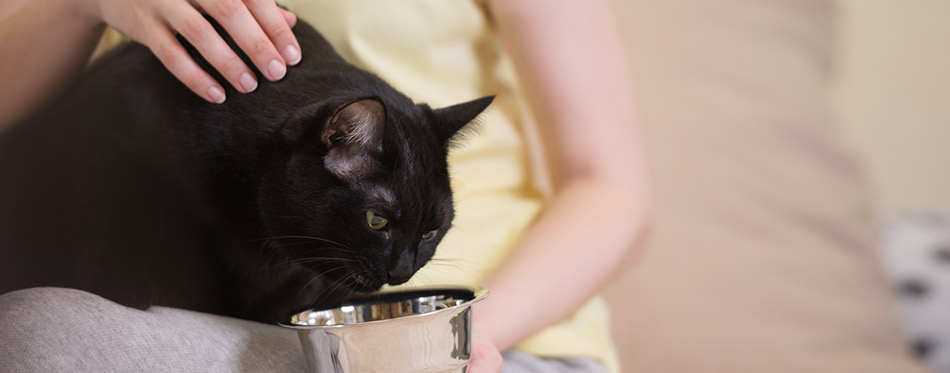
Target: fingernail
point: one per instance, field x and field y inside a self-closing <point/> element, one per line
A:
<point x="216" y="95"/>
<point x="248" y="83"/>
<point x="292" y="55"/>
<point x="277" y="69"/>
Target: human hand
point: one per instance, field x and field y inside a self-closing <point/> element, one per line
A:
<point x="485" y="356"/>
<point x="259" y="27"/>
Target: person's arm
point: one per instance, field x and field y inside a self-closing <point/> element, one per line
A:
<point x="569" y="59"/>
<point x="43" y="44"/>
<point x="46" y="43"/>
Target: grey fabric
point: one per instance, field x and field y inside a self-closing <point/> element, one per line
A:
<point x="520" y="362"/>
<point x="64" y="330"/>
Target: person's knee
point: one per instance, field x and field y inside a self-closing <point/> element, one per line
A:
<point x="44" y="306"/>
<point x="31" y="320"/>
<point x="25" y="302"/>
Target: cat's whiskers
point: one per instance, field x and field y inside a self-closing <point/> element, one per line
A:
<point x="315" y="277"/>
<point x="283" y="216"/>
<point x="429" y="280"/>
<point x="452" y="263"/>
<point x="451" y="260"/>
<point x="349" y="283"/>
<point x="308" y="260"/>
<point x="420" y="279"/>
<point x="274" y="238"/>
<point x="471" y="235"/>
<point x="330" y="289"/>
<point x="302" y="288"/>
<point x="449" y="269"/>
<point x="308" y="240"/>
<point x="325" y="250"/>
<point x="346" y="249"/>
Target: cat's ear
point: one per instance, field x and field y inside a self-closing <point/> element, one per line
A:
<point x="354" y="135"/>
<point x="356" y="126"/>
<point x="451" y="119"/>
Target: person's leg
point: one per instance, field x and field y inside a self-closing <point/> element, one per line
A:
<point x="55" y="330"/>
<point x="520" y="362"/>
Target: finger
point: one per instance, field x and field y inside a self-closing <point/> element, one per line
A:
<point x="247" y="33"/>
<point x="485" y="356"/>
<point x="199" y="32"/>
<point x="485" y="364"/>
<point x="180" y="64"/>
<point x="289" y="17"/>
<point x="276" y="27"/>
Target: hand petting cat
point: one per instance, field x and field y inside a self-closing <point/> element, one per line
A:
<point x="259" y="27"/>
<point x="43" y="69"/>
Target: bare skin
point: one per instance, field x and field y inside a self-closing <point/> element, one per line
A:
<point x="46" y="61"/>
<point x="579" y="91"/>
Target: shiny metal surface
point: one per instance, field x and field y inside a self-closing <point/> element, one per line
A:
<point x="419" y="330"/>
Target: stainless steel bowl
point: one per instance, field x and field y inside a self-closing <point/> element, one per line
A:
<point x="419" y="330"/>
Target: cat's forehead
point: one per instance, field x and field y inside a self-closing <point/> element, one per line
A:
<point x="380" y="193"/>
<point x="418" y="151"/>
<point x="398" y="191"/>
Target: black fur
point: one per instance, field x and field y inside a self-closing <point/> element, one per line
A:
<point x="132" y="187"/>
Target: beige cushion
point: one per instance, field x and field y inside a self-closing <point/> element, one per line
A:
<point x="761" y="259"/>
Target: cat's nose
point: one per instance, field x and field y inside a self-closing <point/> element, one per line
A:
<point x="401" y="268"/>
<point x="397" y="277"/>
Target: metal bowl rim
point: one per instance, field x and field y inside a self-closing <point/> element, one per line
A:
<point x="478" y="292"/>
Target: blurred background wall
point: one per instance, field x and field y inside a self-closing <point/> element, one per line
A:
<point x="893" y="97"/>
<point x="764" y="252"/>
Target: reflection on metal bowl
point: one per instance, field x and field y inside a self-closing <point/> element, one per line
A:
<point x="419" y="330"/>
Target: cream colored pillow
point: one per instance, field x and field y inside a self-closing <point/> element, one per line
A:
<point x="761" y="258"/>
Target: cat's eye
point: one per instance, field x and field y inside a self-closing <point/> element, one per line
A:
<point x="428" y="235"/>
<point x="375" y="221"/>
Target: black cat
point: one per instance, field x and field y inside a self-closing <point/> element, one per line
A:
<point x="325" y="183"/>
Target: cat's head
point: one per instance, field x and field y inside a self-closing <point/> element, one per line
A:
<point x="362" y="194"/>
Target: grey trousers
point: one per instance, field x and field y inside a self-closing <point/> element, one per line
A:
<point x="60" y="330"/>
